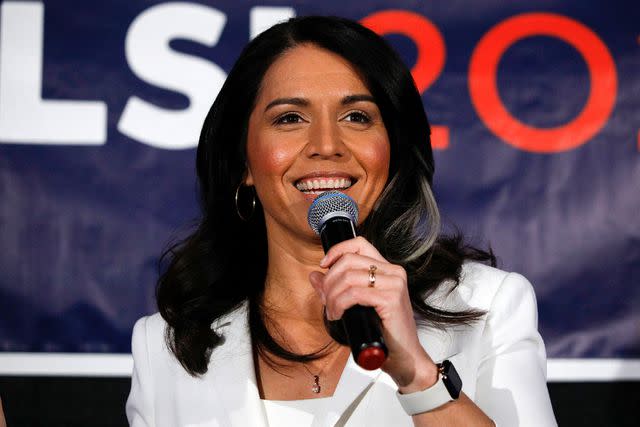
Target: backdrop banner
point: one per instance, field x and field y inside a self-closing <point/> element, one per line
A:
<point x="534" y="107"/>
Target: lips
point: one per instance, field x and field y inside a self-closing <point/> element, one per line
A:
<point x="319" y="184"/>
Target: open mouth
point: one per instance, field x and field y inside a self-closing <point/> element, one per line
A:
<point x="318" y="185"/>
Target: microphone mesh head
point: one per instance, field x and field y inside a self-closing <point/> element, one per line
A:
<point x="328" y="205"/>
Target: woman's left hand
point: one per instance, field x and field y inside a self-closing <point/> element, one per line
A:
<point x="346" y="283"/>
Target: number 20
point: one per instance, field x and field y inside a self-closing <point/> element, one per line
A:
<point x="483" y="75"/>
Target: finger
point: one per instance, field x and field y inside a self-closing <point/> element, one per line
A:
<point x="335" y="293"/>
<point x="362" y="263"/>
<point x="347" y="279"/>
<point x="367" y="297"/>
<point x="357" y="245"/>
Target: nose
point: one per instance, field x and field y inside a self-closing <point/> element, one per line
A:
<point x="325" y="140"/>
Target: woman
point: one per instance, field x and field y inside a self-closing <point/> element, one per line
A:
<point x="248" y="330"/>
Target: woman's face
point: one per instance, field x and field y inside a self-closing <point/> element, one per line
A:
<point x="315" y="127"/>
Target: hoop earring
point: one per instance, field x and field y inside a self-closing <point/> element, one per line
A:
<point x="253" y="205"/>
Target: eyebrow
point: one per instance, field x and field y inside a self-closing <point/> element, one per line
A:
<point x="289" y="101"/>
<point x="351" y="99"/>
<point x="302" y="102"/>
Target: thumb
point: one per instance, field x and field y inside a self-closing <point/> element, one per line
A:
<point x="315" y="278"/>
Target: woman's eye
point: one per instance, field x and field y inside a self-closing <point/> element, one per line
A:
<point x="288" y="118"/>
<point x="358" y="117"/>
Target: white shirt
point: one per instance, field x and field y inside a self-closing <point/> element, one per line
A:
<point x="301" y="413"/>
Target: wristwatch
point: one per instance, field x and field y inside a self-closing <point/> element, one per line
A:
<point x="446" y="389"/>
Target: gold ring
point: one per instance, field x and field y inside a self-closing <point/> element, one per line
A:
<point x="372" y="275"/>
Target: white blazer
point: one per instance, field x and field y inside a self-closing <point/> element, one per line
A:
<point x="500" y="359"/>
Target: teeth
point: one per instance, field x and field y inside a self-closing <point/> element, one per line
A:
<point x="320" y="185"/>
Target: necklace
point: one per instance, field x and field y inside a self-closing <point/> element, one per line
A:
<point x="316" y="388"/>
<point x="316" y="378"/>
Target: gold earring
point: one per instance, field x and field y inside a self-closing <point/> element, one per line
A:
<point x="253" y="204"/>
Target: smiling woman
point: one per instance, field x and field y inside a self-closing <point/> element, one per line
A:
<point x="249" y="329"/>
<point x="315" y="126"/>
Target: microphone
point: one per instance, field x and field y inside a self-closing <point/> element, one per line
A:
<point x="333" y="216"/>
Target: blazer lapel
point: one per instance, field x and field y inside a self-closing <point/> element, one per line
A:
<point x="232" y="373"/>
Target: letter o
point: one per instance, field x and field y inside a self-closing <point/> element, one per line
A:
<point x="483" y="86"/>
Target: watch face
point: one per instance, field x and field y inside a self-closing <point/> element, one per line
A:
<point x="451" y="379"/>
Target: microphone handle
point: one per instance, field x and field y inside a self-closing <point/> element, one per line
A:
<point x="362" y="324"/>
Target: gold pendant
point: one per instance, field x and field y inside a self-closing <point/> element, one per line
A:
<point x="316" y="384"/>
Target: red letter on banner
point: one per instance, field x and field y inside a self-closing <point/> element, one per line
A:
<point x="484" y="91"/>
<point x="427" y="38"/>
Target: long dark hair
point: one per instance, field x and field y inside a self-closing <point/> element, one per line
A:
<point x="223" y="262"/>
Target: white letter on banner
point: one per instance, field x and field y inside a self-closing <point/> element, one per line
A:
<point x="150" y="57"/>
<point x="25" y="118"/>
<point x="264" y="17"/>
